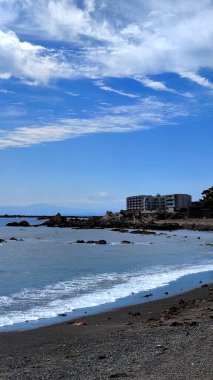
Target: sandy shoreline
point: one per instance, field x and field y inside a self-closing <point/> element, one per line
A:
<point x="165" y="339"/>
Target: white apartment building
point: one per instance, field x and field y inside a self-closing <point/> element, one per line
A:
<point x="169" y="203"/>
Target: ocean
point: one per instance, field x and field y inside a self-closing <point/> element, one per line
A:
<point x="48" y="274"/>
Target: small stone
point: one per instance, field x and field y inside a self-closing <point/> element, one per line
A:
<point x="176" y="323"/>
<point x="101" y="357"/>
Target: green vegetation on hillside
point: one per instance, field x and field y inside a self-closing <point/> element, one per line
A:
<point x="207" y="200"/>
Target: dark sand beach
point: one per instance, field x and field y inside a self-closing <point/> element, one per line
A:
<point x="166" y="339"/>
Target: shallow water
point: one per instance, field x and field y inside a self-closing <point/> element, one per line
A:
<point x="48" y="273"/>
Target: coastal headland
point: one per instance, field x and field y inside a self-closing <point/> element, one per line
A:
<point x="164" y="340"/>
<point x="124" y="220"/>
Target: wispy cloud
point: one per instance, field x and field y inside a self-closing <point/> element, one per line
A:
<point x="145" y="114"/>
<point x="197" y="79"/>
<point x="103" y="194"/>
<point x="70" y="93"/>
<point x="155" y="85"/>
<point x="12" y="111"/>
<point x="160" y="86"/>
<point x="3" y="91"/>
<point x="103" y="87"/>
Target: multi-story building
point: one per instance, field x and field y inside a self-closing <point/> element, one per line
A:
<point x="148" y="203"/>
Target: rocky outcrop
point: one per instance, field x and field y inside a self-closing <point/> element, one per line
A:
<point x="56" y="221"/>
<point x="22" y="223"/>
<point x="124" y="221"/>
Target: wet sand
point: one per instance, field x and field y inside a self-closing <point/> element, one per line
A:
<point x="165" y="339"/>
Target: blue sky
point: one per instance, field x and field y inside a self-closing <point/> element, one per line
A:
<point x="102" y="99"/>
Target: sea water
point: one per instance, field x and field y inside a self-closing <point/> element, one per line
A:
<point x="46" y="273"/>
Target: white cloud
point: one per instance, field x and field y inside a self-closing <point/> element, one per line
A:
<point x="146" y="113"/>
<point x="70" y="93"/>
<point x="188" y="95"/>
<point x="65" y="19"/>
<point x="197" y="79"/>
<point x="3" y="91"/>
<point x="155" y="85"/>
<point x="103" y="87"/>
<point x="31" y="63"/>
<point x="103" y="194"/>
<point x="108" y="38"/>
<point x="160" y="86"/>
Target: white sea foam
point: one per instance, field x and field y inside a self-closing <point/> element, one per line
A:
<point x="87" y="291"/>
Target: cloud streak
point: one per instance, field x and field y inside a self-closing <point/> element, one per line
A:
<point x="145" y="114"/>
<point x="155" y="85"/>
<point x="197" y="79"/>
<point x="103" y="87"/>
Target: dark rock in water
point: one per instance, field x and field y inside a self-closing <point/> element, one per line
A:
<point x="204" y="286"/>
<point x="166" y="293"/>
<point x="126" y="242"/>
<point x="62" y="315"/>
<point x="15" y="239"/>
<point x="143" y="232"/>
<point x="120" y="230"/>
<point x="2" y="241"/>
<point x="56" y="221"/>
<point x="100" y="242"/>
<point x="91" y="242"/>
<point x="148" y="295"/>
<point x="22" y="223"/>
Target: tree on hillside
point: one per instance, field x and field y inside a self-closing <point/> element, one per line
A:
<point x="207" y="200"/>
